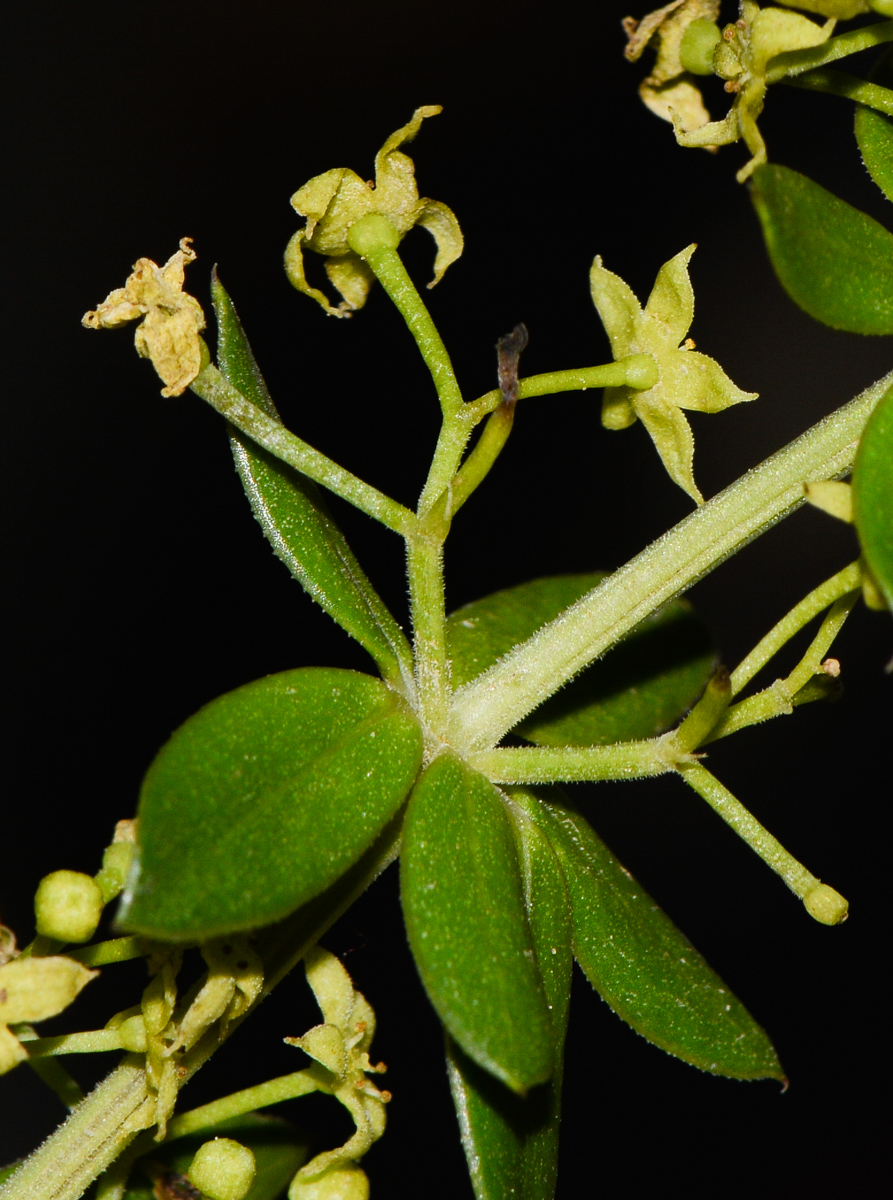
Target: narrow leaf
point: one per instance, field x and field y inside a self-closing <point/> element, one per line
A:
<point x="874" y="132"/>
<point x="873" y="496"/>
<point x="639" y="690"/>
<point x="639" y="962"/>
<point x="834" y="261"/>
<point x="294" y="517"/>
<point x="511" y="1142"/>
<point x="464" y="907"/>
<point x="264" y="798"/>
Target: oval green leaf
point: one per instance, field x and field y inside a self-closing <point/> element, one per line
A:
<point x="511" y="1142"/>
<point x="464" y="908"/>
<point x="874" y="132"/>
<point x="295" y="520"/>
<point x="639" y="962"/>
<point x="639" y="690"/>
<point x="264" y="798"/>
<point x="873" y="495"/>
<point x="834" y="261"/>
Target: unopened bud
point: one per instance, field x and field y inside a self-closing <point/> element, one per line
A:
<point x="826" y="905"/>
<point x="348" y="1182"/>
<point x="222" y="1169"/>
<point x="68" y="905"/>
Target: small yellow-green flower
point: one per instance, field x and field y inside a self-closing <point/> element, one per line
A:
<point x="169" y="334"/>
<point x="687" y="378"/>
<point x="669" y="90"/>
<point x="688" y="41"/>
<point x="334" y="201"/>
<point x="33" y="989"/>
<point x="340" y="1047"/>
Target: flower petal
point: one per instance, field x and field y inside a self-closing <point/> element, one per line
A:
<point x="696" y="381"/>
<point x="618" y="308"/>
<point x="443" y="226"/>
<point x="672" y="436"/>
<point x="353" y="279"/>
<point x="672" y="300"/>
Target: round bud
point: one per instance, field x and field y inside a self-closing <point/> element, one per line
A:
<point x="372" y="232"/>
<point x="348" y="1182"/>
<point x="826" y="905"/>
<point x="68" y="905"/>
<point x="884" y="7"/>
<point x="697" y="46"/>
<point x="222" y="1169"/>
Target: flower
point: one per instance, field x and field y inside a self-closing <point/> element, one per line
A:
<point x="33" y="989"/>
<point x="687" y="378"/>
<point x="340" y="1048"/>
<point x="669" y="91"/>
<point x="334" y="201"/>
<point x="742" y="57"/>
<point x="169" y="334"/>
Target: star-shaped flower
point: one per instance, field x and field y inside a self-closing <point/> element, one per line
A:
<point x="340" y="1048"/>
<point x="687" y="379"/>
<point x="169" y="335"/>
<point x="334" y="201"/>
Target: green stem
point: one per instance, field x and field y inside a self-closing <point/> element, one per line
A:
<point x="92" y="1041"/>
<point x="388" y="268"/>
<point x="574" y="764"/>
<point x="801" y="614"/>
<point x="484" y="710"/>
<point x="273" y="436"/>
<point x="841" y="83"/>
<point x="795" y="62"/>
<point x="818" y="897"/>
<point x="113" y="1114"/>
<point x="274" y="1091"/>
<point x="780" y="697"/>
<point x="103" y="954"/>
<point x="636" y="371"/>
<point x="477" y="466"/>
<point x="424" y="562"/>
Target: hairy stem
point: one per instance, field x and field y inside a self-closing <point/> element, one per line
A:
<point x="486" y="709"/>
<point x="801" y="614"/>
<point x="273" y="436"/>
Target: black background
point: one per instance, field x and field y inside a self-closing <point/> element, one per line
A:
<point x="139" y="587"/>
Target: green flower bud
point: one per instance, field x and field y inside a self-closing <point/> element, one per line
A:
<point x="68" y="905"/>
<point x="883" y="7"/>
<point x="222" y="1169"/>
<point x="33" y="989"/>
<point x="348" y="1182"/>
<point x="826" y="905"/>
<point x="697" y="46"/>
<point x="116" y="863"/>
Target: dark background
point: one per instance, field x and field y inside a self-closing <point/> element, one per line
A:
<point x="139" y="587"/>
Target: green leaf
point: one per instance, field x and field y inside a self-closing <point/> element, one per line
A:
<point x="873" y="495"/>
<point x="511" y="1142"/>
<point x="264" y="798"/>
<point x="641" y="689"/>
<point x="294" y="517"/>
<point x="874" y="132"/>
<point x="834" y="261"/>
<point x="639" y="962"/>
<point x="464" y="907"/>
<point x="279" y="1152"/>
